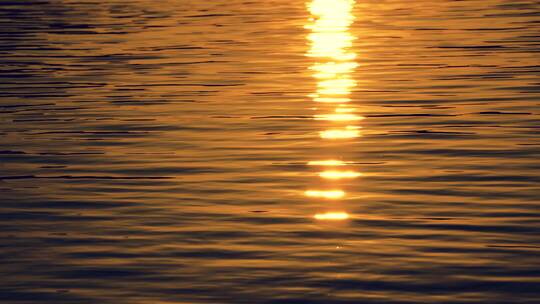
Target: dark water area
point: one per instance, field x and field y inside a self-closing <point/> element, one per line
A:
<point x="276" y="152"/>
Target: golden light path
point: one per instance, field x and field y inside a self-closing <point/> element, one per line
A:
<point x="347" y="132"/>
<point x="333" y="174"/>
<point x="339" y="117"/>
<point x="330" y="162"/>
<point x="331" y="42"/>
<point x="332" y="216"/>
<point x="328" y="194"/>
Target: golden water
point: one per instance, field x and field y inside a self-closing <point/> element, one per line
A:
<point x="328" y="151"/>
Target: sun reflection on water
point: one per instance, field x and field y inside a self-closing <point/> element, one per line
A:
<point x="331" y="42"/>
<point x="339" y="117"/>
<point x="339" y="174"/>
<point x="331" y="99"/>
<point x="328" y="194"/>
<point x="329" y="163"/>
<point x="348" y="132"/>
<point x="332" y="216"/>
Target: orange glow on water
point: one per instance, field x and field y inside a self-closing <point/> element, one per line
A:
<point x="347" y="110"/>
<point x="342" y="84"/>
<point x="330" y="162"/>
<point x="331" y="69"/>
<point x="339" y="174"/>
<point x="331" y="43"/>
<point x="329" y="31"/>
<point x="332" y="216"/>
<point x="339" y="117"/>
<point x="339" y="133"/>
<point x="331" y="99"/>
<point x="327" y="194"/>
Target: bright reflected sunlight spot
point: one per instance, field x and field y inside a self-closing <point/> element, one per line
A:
<point x="331" y="99"/>
<point x="328" y="194"/>
<point x="339" y="174"/>
<point x="328" y="163"/>
<point x="339" y="133"/>
<point x="339" y="117"/>
<point x="332" y="216"/>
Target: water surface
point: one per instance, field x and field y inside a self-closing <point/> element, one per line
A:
<point x="269" y="151"/>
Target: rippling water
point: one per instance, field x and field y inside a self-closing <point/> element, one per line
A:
<point x="282" y="151"/>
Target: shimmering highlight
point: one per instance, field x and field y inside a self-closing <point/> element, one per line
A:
<point x="339" y="134"/>
<point x="327" y="194"/>
<point x="330" y="162"/>
<point x="332" y="216"/>
<point x="339" y="174"/>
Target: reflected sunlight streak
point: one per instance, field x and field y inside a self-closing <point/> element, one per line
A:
<point x="332" y="216"/>
<point x="339" y="117"/>
<point x="327" y="163"/>
<point x="328" y="194"/>
<point x="339" y="174"/>
<point x="331" y="42"/>
<point x="331" y="99"/>
<point x="339" y="133"/>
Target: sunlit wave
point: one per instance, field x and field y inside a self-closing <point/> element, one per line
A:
<point x="332" y="216"/>
<point x="331" y="99"/>
<point x="331" y="69"/>
<point x="328" y="163"/>
<point x="339" y="174"/>
<point x="340" y="133"/>
<point x="328" y="194"/>
<point x="329" y="31"/>
<point x="338" y="117"/>
<point x="331" y="44"/>
<point x="347" y="110"/>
